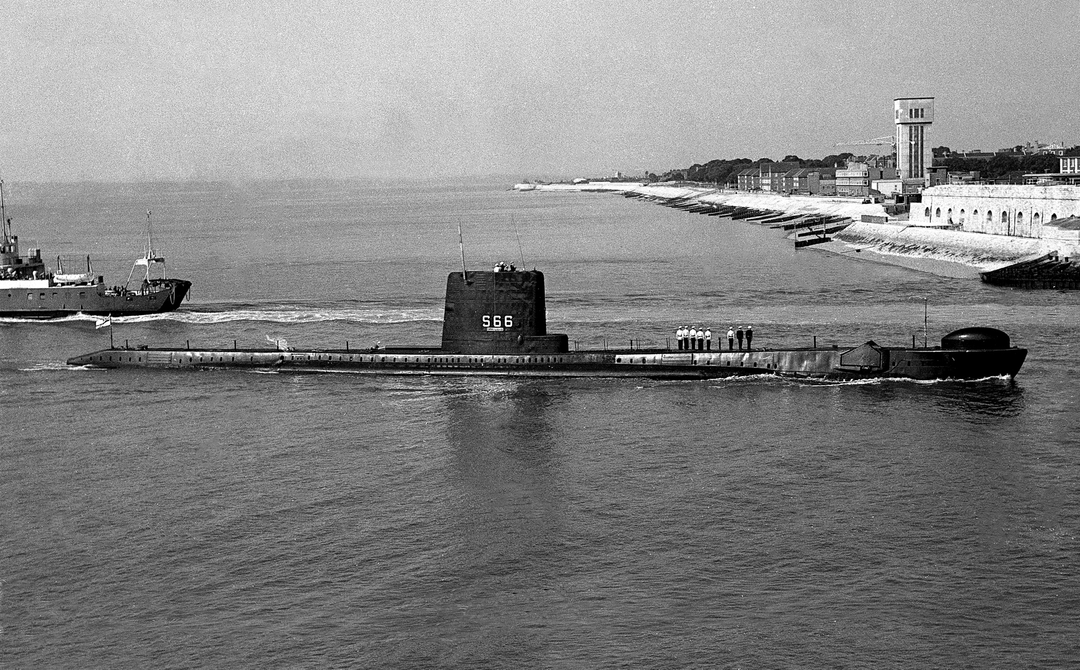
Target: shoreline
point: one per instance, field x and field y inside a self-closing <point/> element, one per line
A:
<point x="934" y="266"/>
<point x="944" y="252"/>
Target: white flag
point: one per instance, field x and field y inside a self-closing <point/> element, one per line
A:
<point x="104" y="323"/>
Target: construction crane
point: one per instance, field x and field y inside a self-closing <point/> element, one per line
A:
<point x="877" y="141"/>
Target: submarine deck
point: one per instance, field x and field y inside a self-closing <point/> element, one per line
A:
<point x="931" y="363"/>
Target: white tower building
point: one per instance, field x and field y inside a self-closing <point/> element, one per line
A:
<point x="914" y="156"/>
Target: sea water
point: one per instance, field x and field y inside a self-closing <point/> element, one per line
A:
<point x="241" y="519"/>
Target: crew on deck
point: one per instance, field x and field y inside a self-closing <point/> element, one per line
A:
<point x="700" y="339"/>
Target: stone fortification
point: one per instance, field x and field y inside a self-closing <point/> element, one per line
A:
<point x="1018" y="211"/>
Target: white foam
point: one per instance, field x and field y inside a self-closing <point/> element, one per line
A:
<point x="289" y="316"/>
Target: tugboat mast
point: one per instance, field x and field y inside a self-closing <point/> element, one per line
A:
<point x="151" y="257"/>
<point x="149" y="242"/>
<point x="3" y="213"/>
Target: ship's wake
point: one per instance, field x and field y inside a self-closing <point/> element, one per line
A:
<point x="878" y="381"/>
<point x="298" y="315"/>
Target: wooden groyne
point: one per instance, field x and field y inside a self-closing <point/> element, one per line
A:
<point x="1046" y="272"/>
<point x="809" y="228"/>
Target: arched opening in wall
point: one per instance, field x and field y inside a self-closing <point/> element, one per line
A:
<point x="989" y="216"/>
<point x="1019" y="219"/>
<point x="926" y="212"/>
<point x="1036" y="219"/>
<point x="962" y="217"/>
<point x="1004" y="216"/>
<point x="1053" y="217"/>
<point x="974" y="216"/>
<point x="937" y="213"/>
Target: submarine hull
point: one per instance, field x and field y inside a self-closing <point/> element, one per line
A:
<point x="656" y="364"/>
<point x="495" y="324"/>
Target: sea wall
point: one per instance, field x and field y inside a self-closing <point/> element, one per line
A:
<point x="811" y="205"/>
<point x="977" y="250"/>
<point x="922" y="238"/>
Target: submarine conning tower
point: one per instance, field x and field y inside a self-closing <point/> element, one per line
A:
<point x="498" y="312"/>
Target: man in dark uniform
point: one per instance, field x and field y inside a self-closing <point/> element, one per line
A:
<point x="749" y="336"/>
<point x="739" y="336"/>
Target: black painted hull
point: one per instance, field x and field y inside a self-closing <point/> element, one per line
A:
<point x="57" y="301"/>
<point x="803" y="363"/>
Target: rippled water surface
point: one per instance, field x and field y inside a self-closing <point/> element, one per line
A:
<point x="241" y="519"/>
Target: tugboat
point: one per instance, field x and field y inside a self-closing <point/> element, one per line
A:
<point x="29" y="290"/>
<point x="495" y="323"/>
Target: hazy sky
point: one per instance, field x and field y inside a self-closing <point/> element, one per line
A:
<point x="232" y="89"/>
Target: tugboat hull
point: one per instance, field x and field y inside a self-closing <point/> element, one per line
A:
<point x="47" y="302"/>
<point x="29" y="290"/>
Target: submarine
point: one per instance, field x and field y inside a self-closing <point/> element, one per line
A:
<point x="495" y="323"/>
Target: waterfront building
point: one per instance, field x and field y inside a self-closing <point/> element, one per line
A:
<point x="765" y="176"/>
<point x="968" y="177"/>
<point x="772" y="175"/>
<point x="856" y="178"/>
<point x="914" y="155"/>
<point x="769" y="182"/>
<point x="853" y="179"/>
<point x="1039" y="148"/>
<point x="937" y="174"/>
<point x="811" y="181"/>
<point x="890" y="188"/>
<point x="1068" y="172"/>
<point x="827" y="181"/>
<point x="749" y="179"/>
<point x="791" y="181"/>
<point x="1014" y="210"/>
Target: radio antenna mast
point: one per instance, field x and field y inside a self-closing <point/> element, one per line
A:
<point x="461" y="245"/>
<point x="518" y="236"/>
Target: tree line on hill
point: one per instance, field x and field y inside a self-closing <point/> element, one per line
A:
<point x="999" y="167"/>
<point x="1002" y="166"/>
<point x="721" y="171"/>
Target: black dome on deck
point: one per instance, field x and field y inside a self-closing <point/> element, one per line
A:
<point x="976" y="338"/>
